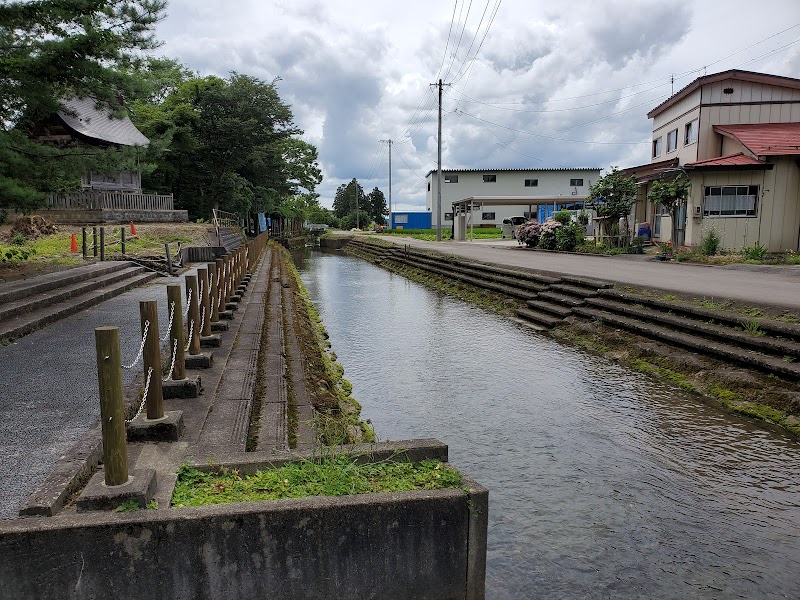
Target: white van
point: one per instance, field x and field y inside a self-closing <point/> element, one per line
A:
<point x="510" y="226"/>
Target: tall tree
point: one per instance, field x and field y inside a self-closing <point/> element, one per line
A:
<point x="613" y="197"/>
<point x="344" y="202"/>
<point x="51" y="50"/>
<point x="377" y="206"/>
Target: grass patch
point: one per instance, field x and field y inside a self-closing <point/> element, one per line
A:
<point x="327" y="476"/>
<point x="678" y="379"/>
<point x="429" y="235"/>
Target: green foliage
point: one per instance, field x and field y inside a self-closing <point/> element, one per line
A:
<point x="753" y="328"/>
<point x="328" y="475"/>
<point x="128" y="506"/>
<point x="18" y="254"/>
<point x="710" y="243"/>
<point x="755" y="252"/>
<point x="562" y="216"/>
<point x="569" y="237"/>
<point x="671" y="193"/>
<point x="613" y="196"/>
<point x="51" y="50"/>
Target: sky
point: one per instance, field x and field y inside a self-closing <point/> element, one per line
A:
<point x="532" y="84"/>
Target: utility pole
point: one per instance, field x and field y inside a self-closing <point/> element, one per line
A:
<point x="439" y="167"/>
<point x="355" y="189"/>
<point x="390" y="180"/>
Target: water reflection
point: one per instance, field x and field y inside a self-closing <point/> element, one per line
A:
<point x="602" y="484"/>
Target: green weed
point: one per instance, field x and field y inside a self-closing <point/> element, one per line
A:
<point x="753" y="328"/>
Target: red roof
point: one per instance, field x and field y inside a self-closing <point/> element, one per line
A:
<point x="731" y="160"/>
<point x="765" y="139"/>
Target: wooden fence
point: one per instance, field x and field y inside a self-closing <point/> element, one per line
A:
<point x="91" y="200"/>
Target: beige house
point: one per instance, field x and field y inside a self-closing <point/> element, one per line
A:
<point x="736" y="135"/>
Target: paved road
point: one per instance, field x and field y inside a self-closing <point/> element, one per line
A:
<point x="48" y="388"/>
<point x="754" y="284"/>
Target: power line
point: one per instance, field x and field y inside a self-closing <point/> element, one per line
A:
<point x="460" y="37"/>
<point x="444" y="54"/>
<point x="405" y="162"/>
<point x="485" y="33"/>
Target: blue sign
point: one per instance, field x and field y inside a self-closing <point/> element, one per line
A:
<point x="262" y="222"/>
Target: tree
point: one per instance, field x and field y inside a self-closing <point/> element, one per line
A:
<point x="52" y="50"/>
<point x="377" y="206"/>
<point x="613" y="197"/>
<point x="672" y="193"/>
<point x="344" y="202"/>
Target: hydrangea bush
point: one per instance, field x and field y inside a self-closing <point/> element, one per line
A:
<point x="528" y="234"/>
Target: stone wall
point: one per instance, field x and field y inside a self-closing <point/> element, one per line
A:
<point x="115" y="216"/>
<point x="427" y="544"/>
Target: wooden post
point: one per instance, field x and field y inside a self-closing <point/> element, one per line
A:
<point x="194" y="314"/>
<point x="112" y="412"/>
<point x="102" y="243"/>
<point x="220" y="283"/>
<point x="122" y="239"/>
<point x="176" y="332"/>
<point x="148" y="311"/>
<point x="205" y="304"/>
<point x="226" y="278"/>
<point x="169" y="259"/>
<point x="94" y="241"/>
<point x="212" y="291"/>
<point x="84" y="242"/>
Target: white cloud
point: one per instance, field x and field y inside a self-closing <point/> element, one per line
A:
<point x="357" y="72"/>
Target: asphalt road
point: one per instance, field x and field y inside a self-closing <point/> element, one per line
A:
<point x="776" y="286"/>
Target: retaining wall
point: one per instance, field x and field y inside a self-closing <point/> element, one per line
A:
<point x="426" y="544"/>
<point x="115" y="216"/>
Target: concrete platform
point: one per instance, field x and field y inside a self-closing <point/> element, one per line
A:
<point x="98" y="496"/>
<point x="203" y="360"/>
<point x="188" y="387"/>
<point x="166" y="429"/>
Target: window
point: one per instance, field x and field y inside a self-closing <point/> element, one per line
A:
<point x="492" y="178"/>
<point x="531" y="183"/>
<point x="448" y="216"/>
<point x="690" y="135"/>
<point x="401" y="219"/>
<point x="576" y="182"/>
<point x="730" y="201"/>
<point x="530" y="215"/>
<point x="672" y="140"/>
<point x="429" y="186"/>
<point x="487" y="216"/>
<point x="657" y="146"/>
<point x="451" y="178"/>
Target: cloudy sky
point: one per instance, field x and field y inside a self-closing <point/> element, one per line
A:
<point x="534" y="84"/>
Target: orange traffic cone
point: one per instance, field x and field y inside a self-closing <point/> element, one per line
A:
<point x="73" y="246"/>
<point x="133" y="229"/>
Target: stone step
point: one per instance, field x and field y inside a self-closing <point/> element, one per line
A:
<point x="575" y="290"/>
<point x="37" y="319"/>
<point x="769" y="364"/>
<point x="558" y="310"/>
<point x="587" y="282"/>
<point x="539" y="318"/>
<point x="510" y="290"/>
<point x="562" y="299"/>
<point x="23" y="288"/>
<point x="722" y="333"/>
<point x="49" y="297"/>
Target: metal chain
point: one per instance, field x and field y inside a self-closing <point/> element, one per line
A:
<point x="200" y="293"/>
<point x="174" y="354"/>
<point x="191" y="329"/>
<point x="141" y="348"/>
<point x="203" y="318"/>
<point x="219" y="300"/>
<point x="144" y="396"/>
<point x="211" y="310"/>
<point x="188" y="302"/>
<point x="171" y="315"/>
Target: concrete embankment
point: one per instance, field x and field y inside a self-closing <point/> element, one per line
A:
<point x="743" y="357"/>
<point x="267" y="362"/>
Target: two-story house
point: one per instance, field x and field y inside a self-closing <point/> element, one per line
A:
<point x="736" y="135"/>
<point x="496" y="194"/>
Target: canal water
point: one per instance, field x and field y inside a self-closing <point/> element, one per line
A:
<point x="602" y="483"/>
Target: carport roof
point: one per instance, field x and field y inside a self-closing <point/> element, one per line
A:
<point x="519" y="200"/>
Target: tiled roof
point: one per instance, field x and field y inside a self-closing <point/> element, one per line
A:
<point x="98" y="124"/>
<point x="740" y="159"/>
<point x="765" y="139"/>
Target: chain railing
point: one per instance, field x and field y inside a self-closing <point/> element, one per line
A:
<point x="141" y="348"/>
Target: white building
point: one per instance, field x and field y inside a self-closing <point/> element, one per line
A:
<point x="526" y="190"/>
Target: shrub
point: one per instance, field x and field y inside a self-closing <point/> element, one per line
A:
<point x="569" y="237"/>
<point x="755" y="252"/>
<point x="710" y="243"/>
<point x="547" y="235"/>
<point x="684" y="254"/>
<point x="563" y="216"/>
<point x="528" y="234"/>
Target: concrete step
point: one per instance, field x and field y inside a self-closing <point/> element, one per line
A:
<point x="575" y="290"/>
<point x="540" y="318"/>
<point x="769" y="364"/>
<point x="559" y="310"/>
<point x="730" y="318"/>
<point x="587" y="282"/>
<point x="49" y="297"/>
<point x="714" y="331"/>
<point x="37" y="319"/>
<point x="23" y="288"/>
<point x="565" y="300"/>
